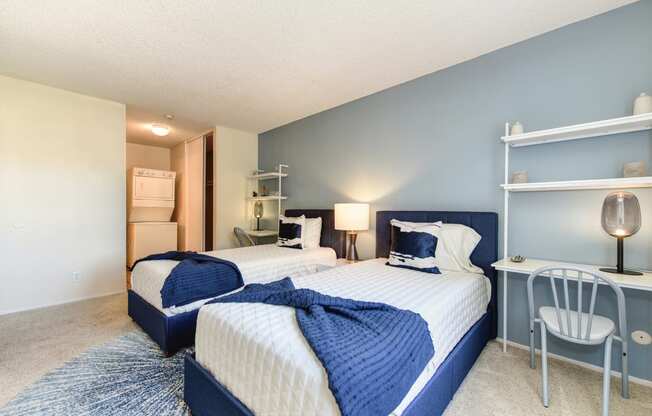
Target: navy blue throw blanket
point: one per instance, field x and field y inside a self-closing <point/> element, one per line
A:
<point x="372" y="352"/>
<point x="196" y="277"/>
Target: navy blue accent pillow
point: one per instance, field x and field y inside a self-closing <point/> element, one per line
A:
<point x="289" y="235"/>
<point x="413" y="247"/>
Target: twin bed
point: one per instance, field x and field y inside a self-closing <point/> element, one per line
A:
<point x="174" y="328"/>
<point x="253" y="359"/>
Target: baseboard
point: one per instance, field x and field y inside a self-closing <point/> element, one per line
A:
<point x="48" y="305"/>
<point x="592" y="367"/>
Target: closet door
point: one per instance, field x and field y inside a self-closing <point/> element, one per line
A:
<point x="195" y="170"/>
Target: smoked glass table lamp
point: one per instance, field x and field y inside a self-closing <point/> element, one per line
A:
<point x="258" y="213"/>
<point x="621" y="218"/>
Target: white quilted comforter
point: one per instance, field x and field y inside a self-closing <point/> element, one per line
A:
<point x="258" y="264"/>
<point x="259" y="354"/>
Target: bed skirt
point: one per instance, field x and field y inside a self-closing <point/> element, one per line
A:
<point x="206" y="396"/>
<point x="171" y="333"/>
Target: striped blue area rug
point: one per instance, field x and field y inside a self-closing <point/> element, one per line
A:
<point x="127" y="376"/>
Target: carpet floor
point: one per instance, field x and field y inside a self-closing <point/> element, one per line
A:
<point x="45" y="347"/>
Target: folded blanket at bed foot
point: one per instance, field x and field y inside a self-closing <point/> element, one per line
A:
<point x="196" y="277"/>
<point x="372" y="352"/>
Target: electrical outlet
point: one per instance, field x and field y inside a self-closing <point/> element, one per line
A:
<point x="76" y="276"/>
<point x="641" y="337"/>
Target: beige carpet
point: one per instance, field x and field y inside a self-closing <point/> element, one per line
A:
<point x="35" y="342"/>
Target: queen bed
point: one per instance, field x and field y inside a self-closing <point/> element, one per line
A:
<point x="174" y="327"/>
<point x="253" y="359"/>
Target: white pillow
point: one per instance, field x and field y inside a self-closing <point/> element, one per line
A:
<point x="291" y="231"/>
<point x="456" y="244"/>
<point x="313" y="233"/>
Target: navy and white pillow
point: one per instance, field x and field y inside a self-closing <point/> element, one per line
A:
<point x="413" y="245"/>
<point x="291" y="231"/>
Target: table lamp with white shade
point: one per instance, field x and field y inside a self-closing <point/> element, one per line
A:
<point x="352" y="217"/>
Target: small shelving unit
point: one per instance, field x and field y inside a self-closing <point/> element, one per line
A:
<point x="279" y="175"/>
<point x="575" y="132"/>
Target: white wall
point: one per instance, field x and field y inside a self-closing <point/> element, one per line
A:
<point x="151" y="157"/>
<point x="62" y="196"/>
<point x="235" y="157"/>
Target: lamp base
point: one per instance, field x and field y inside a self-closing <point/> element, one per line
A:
<point x="352" y="251"/>
<point x="625" y="272"/>
<point x="620" y="268"/>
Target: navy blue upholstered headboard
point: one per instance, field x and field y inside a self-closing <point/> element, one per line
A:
<point x="484" y="223"/>
<point x="330" y="237"/>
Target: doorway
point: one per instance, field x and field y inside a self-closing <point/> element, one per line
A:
<point x="208" y="194"/>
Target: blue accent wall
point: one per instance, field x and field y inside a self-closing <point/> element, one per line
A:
<point x="433" y="143"/>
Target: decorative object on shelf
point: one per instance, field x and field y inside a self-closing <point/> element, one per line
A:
<point x="517" y="128"/>
<point x="352" y="217"/>
<point x="520" y="176"/>
<point x="254" y="194"/>
<point x="258" y="213"/>
<point x="517" y="259"/>
<point x="264" y="191"/>
<point x="643" y="104"/>
<point x="621" y="218"/>
<point x="634" y="169"/>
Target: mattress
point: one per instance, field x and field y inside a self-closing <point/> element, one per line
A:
<point x="259" y="354"/>
<point x="258" y="264"/>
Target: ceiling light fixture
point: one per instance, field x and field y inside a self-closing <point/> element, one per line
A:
<point x="160" y="130"/>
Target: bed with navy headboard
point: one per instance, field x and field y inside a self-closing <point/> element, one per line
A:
<point x="207" y="396"/>
<point x="484" y="255"/>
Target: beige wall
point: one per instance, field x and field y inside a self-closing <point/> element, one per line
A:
<point x="151" y="157"/>
<point x="235" y="157"/>
<point x="178" y="164"/>
<point x="62" y="187"/>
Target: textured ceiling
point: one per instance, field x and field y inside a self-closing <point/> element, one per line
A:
<point x="256" y="65"/>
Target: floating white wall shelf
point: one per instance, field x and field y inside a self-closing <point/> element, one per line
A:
<point x="617" y="183"/>
<point x="267" y="198"/>
<point x="582" y="131"/>
<point x="268" y="175"/>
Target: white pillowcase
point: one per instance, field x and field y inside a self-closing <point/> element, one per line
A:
<point x="455" y="246"/>
<point x="312" y="235"/>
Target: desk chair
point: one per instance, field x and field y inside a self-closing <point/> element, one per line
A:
<point x="576" y="326"/>
<point x="243" y="238"/>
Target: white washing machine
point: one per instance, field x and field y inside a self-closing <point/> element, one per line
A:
<point x="150" y="203"/>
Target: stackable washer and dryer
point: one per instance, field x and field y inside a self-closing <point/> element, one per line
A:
<point x="150" y="203"/>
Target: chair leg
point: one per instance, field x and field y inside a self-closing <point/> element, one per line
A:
<point x="544" y="363"/>
<point x="532" y="359"/>
<point x="606" y="377"/>
<point x="625" y="369"/>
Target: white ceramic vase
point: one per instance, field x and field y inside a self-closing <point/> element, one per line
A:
<point x="643" y="104"/>
<point x="517" y="128"/>
<point x="634" y="169"/>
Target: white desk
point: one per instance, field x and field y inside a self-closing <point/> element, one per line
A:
<point x="525" y="268"/>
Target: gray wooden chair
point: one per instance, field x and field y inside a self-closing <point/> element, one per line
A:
<point x="243" y="238"/>
<point x="574" y="325"/>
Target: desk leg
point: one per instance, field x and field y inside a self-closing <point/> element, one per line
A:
<point x="505" y="311"/>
